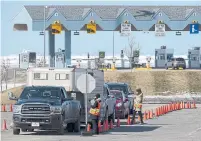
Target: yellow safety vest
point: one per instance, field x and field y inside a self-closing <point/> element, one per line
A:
<point x="95" y="111"/>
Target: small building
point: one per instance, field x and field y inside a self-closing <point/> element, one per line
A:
<point x="27" y="60"/>
<point x="60" y="59"/>
<point x="194" y="58"/>
<point x="162" y="55"/>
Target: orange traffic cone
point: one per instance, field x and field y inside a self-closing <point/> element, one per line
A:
<point x="4" y="127"/>
<point x="11" y="108"/>
<point x="118" y="122"/>
<point x="104" y="126"/>
<point x="194" y="105"/>
<point x="129" y="120"/>
<point x="145" y="115"/>
<point x="99" y="127"/>
<point x="3" y="107"/>
<point x="107" y="125"/>
<point x="151" y="114"/>
<point x="190" y="105"/>
<point x="148" y="114"/>
<point x="111" y="124"/>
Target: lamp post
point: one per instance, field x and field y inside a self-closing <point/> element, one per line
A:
<point x="44" y="36"/>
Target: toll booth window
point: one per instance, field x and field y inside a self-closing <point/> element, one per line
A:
<point x="61" y="76"/>
<point x="32" y="57"/>
<point x="162" y="57"/>
<point x="194" y="58"/>
<point x="40" y="76"/>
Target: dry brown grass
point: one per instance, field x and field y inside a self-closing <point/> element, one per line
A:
<point x="157" y="82"/>
<point x="4" y="95"/>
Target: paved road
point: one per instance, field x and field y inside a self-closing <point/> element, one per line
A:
<point x="183" y="125"/>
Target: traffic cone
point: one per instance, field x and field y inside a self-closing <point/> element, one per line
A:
<point x="129" y="120"/>
<point x="111" y="124"/>
<point x="118" y="122"/>
<point x="194" y="105"/>
<point x="4" y="127"/>
<point x="145" y="115"/>
<point x="151" y="114"/>
<point x="190" y="105"/>
<point x="99" y="127"/>
<point x="104" y="126"/>
<point x="3" y="107"/>
<point x="11" y="108"/>
<point x="148" y="115"/>
<point x="107" y="126"/>
<point x="88" y="128"/>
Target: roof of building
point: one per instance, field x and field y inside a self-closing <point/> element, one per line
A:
<point x="113" y="12"/>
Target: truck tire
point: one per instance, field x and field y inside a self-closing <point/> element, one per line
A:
<point x="16" y="131"/>
<point x="77" y="126"/>
<point x="70" y="127"/>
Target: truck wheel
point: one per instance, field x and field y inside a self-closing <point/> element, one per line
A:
<point x="77" y="126"/>
<point x="16" y="131"/>
<point x="70" y="127"/>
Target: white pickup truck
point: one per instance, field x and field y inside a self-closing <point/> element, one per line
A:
<point x="67" y="78"/>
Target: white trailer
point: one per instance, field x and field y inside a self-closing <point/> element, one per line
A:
<point x="67" y="78"/>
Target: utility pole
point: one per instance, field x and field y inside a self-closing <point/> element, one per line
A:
<point x="44" y="36"/>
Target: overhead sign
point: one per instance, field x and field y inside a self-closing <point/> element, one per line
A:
<point x="125" y="29"/>
<point x="56" y="27"/>
<point x="91" y="28"/>
<point x="86" y="83"/>
<point x="160" y="29"/>
<point x="194" y="28"/>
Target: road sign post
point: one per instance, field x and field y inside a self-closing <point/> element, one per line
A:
<point x="86" y="84"/>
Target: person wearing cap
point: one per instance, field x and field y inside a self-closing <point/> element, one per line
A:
<point x="94" y="113"/>
<point x="138" y="105"/>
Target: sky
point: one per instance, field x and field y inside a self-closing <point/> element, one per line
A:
<point x="14" y="42"/>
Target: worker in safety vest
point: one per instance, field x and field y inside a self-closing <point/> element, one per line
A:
<point x="137" y="105"/>
<point x="95" y="113"/>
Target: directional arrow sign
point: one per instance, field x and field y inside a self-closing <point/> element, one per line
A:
<point x="86" y="83"/>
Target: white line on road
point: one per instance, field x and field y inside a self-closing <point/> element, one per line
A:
<point x="190" y="134"/>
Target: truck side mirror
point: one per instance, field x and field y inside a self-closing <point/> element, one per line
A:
<point x="11" y="96"/>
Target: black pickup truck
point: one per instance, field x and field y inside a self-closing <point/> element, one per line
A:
<point x="45" y="108"/>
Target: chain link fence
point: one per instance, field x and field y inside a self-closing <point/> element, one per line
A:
<point x="12" y="77"/>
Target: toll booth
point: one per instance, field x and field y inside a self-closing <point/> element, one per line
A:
<point x="60" y="59"/>
<point x="27" y="60"/>
<point x="162" y="56"/>
<point x="194" y="58"/>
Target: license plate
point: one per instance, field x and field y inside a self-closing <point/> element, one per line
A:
<point x="35" y="124"/>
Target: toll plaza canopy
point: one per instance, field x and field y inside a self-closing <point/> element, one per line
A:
<point x="106" y="18"/>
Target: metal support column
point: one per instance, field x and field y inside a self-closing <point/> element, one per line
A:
<point x="51" y="49"/>
<point x="68" y="47"/>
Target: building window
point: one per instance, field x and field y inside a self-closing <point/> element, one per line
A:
<point x="40" y="76"/>
<point x="194" y="14"/>
<point x="61" y="76"/>
<point x="161" y="57"/>
<point x="91" y="14"/>
<point x="56" y="14"/>
<point x="160" y="14"/>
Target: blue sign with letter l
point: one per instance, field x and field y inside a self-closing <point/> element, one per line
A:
<point x="194" y="28"/>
